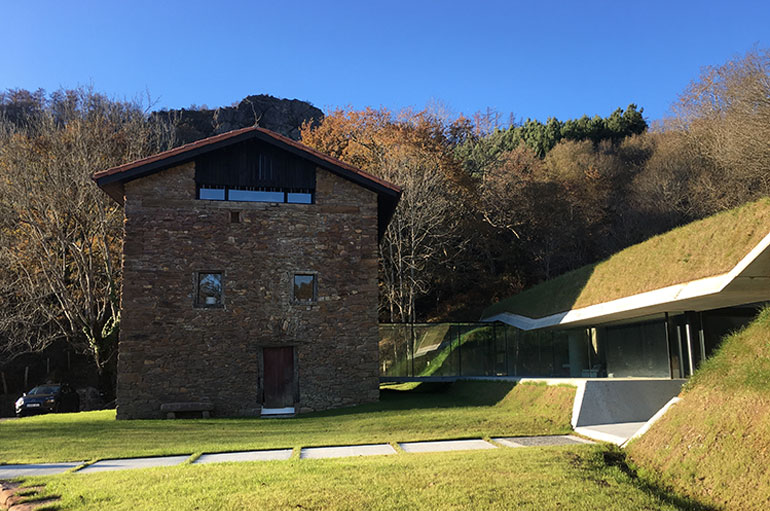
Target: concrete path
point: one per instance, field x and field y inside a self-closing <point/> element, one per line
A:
<point x="123" y="464"/>
<point x="38" y="469"/>
<point x="275" y="454"/>
<point x="446" y="446"/>
<point x="348" y="451"/>
<point x="537" y="441"/>
<point x="343" y="451"/>
<point x="617" y="433"/>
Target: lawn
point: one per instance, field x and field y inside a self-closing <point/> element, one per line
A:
<point x="424" y="412"/>
<point x="671" y="258"/>
<point x="552" y="478"/>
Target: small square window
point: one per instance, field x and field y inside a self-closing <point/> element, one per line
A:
<point x="305" y="288"/>
<point x="209" y="290"/>
<point x="235" y="217"/>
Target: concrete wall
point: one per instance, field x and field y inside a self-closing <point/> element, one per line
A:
<point x="609" y="402"/>
<point x="172" y="351"/>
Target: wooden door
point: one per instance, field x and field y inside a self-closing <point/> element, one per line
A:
<point x="279" y="377"/>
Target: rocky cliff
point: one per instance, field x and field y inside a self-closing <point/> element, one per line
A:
<point x="284" y="116"/>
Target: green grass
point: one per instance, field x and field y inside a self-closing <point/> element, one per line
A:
<point x="554" y="478"/>
<point x="714" y="445"/>
<point x="704" y="248"/>
<point x="427" y="411"/>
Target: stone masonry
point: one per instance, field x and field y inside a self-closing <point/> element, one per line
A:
<point x="171" y="351"/>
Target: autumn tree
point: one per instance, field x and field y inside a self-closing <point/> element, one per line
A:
<point x="412" y="150"/>
<point x="59" y="234"/>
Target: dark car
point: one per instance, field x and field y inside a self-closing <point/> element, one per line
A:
<point x="51" y="397"/>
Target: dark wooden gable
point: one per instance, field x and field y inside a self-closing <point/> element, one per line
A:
<point x="255" y="164"/>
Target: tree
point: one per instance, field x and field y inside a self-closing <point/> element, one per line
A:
<point x="60" y="235"/>
<point x="724" y="115"/>
<point x="414" y="151"/>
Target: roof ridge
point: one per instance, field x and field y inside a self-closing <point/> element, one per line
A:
<point x="176" y="151"/>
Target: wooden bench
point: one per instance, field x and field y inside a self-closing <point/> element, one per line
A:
<point x="171" y="409"/>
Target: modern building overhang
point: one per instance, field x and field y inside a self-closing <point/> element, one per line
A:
<point x="747" y="282"/>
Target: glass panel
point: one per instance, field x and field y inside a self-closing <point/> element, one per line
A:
<point x="637" y="350"/>
<point x="255" y="196"/>
<point x="477" y="350"/>
<point x="434" y="350"/>
<point x="206" y="193"/>
<point x="304" y="288"/>
<point x="299" y="198"/>
<point x="395" y="350"/>
<point x="209" y="289"/>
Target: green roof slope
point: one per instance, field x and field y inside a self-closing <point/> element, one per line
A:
<point x="704" y="248"/>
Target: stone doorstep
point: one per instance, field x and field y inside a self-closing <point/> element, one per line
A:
<point x="12" y="501"/>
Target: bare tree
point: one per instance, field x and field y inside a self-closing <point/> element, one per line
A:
<point x="60" y="236"/>
<point x="725" y="117"/>
<point x="421" y="235"/>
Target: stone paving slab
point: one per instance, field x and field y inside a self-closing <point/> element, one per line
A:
<point x="345" y="451"/>
<point x="275" y="454"/>
<point x="130" y="463"/>
<point x="446" y="445"/>
<point x="538" y="441"/>
<point x="38" y="469"/>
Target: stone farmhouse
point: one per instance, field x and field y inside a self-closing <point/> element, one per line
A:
<point x="249" y="278"/>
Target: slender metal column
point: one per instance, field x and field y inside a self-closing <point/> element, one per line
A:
<point x="668" y="350"/>
<point x="689" y="344"/>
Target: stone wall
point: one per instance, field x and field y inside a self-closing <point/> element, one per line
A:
<point x="172" y="351"/>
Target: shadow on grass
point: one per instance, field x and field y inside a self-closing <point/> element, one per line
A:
<point x="615" y="460"/>
<point x="431" y="395"/>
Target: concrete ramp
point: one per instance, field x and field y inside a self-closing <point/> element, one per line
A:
<point x="609" y="401"/>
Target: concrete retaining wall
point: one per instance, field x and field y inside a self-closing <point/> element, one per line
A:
<point x="612" y="401"/>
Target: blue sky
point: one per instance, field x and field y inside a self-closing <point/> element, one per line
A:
<point x="533" y="59"/>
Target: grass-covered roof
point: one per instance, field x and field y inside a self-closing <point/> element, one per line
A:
<point x="704" y="248"/>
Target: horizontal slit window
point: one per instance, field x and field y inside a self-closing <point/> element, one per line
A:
<point x="250" y="194"/>
<point x="255" y="196"/>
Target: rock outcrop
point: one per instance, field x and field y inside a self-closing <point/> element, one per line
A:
<point x="284" y="116"/>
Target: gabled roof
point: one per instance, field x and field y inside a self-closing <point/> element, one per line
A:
<point x="111" y="180"/>
<point x="720" y="261"/>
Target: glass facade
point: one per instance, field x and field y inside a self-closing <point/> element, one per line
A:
<point x="470" y="349"/>
<point x="665" y="346"/>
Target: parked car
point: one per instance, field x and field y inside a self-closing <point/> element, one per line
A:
<point x="48" y="398"/>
